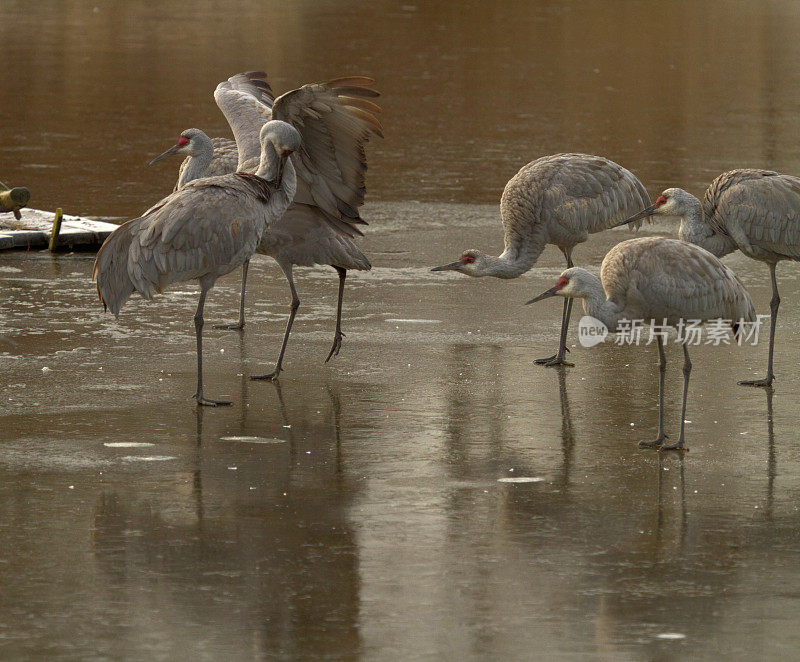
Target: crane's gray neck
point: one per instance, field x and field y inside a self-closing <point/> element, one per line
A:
<point x="596" y="304"/>
<point x="515" y="260"/>
<point x="695" y="229"/>
<point x="289" y="182"/>
<point x="198" y="161"/>
<point x="287" y="187"/>
<point x="268" y="164"/>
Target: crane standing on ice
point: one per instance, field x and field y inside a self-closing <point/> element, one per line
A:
<point x="207" y="229"/>
<point x="664" y="280"/>
<point x="319" y="226"/>
<point x="557" y="200"/>
<point x="756" y="211"/>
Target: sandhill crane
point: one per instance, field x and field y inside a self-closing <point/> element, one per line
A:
<point x="756" y="211"/>
<point x="664" y="280"/>
<point x="207" y="157"/>
<point x="319" y="226"/>
<point x="205" y="230"/>
<point x="559" y="200"/>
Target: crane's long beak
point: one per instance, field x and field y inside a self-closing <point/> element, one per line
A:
<point x="281" y="166"/>
<point x="172" y="150"/>
<point x="642" y="214"/>
<point x="453" y="266"/>
<point x="545" y="295"/>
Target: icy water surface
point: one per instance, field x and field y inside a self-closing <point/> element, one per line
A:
<point x="429" y="494"/>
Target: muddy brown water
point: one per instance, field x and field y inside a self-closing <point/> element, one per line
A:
<point x="355" y="510"/>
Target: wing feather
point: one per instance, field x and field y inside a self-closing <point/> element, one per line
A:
<point x="246" y="101"/>
<point x="335" y="120"/>
<point x="657" y="277"/>
<point x="586" y="193"/>
<point x="759" y="207"/>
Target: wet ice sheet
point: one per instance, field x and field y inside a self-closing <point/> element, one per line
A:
<point x="369" y="494"/>
<point x="252" y="440"/>
<point x="379" y="529"/>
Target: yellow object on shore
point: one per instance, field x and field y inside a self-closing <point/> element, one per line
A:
<point x="13" y="199"/>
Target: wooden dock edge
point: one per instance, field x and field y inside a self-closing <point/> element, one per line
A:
<point x="35" y="229"/>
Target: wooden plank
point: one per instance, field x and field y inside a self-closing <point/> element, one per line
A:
<point x="34" y="228"/>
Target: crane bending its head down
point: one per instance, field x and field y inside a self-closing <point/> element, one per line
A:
<point x="559" y="200"/>
<point x="671" y="202"/>
<point x="663" y="280"/>
<point x="477" y="263"/>
<point x="280" y="140"/>
<point x="755" y="211"/>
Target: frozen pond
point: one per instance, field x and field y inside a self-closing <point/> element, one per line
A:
<point x="429" y="490"/>
<point x="429" y="493"/>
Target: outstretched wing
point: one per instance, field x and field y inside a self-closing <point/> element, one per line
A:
<point x="335" y="120"/>
<point x="246" y="101"/>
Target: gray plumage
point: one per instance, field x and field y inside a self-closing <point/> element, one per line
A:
<point x="655" y="278"/>
<point x="335" y="119"/>
<point x="208" y="157"/>
<point x="207" y="229"/>
<point x="759" y="210"/>
<point x="665" y="281"/>
<point x="224" y="159"/>
<point x="558" y="200"/>
<point x="754" y="211"/>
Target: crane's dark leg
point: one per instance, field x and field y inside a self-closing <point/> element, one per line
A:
<point x="240" y="325"/>
<point x="662" y="366"/>
<point x="560" y="357"/>
<point x="198" y="330"/>
<point x="337" y="337"/>
<point x="287" y="269"/>
<point x="548" y="359"/>
<point x="773" y="320"/>
<point x="687" y="370"/>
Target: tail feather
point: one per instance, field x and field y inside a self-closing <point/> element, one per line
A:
<point x="360" y="261"/>
<point x="114" y="284"/>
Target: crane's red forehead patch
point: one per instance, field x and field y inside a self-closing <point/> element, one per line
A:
<point x="661" y="200"/>
<point x="562" y="282"/>
<point x="183" y="140"/>
<point x="467" y="259"/>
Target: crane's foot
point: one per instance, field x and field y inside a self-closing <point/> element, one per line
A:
<point x="337" y="345"/>
<point x="554" y="360"/>
<point x="230" y="327"/>
<point x="656" y="443"/>
<point x="677" y="446"/>
<point x="208" y="402"/>
<point x="765" y="383"/>
<point x="268" y="378"/>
